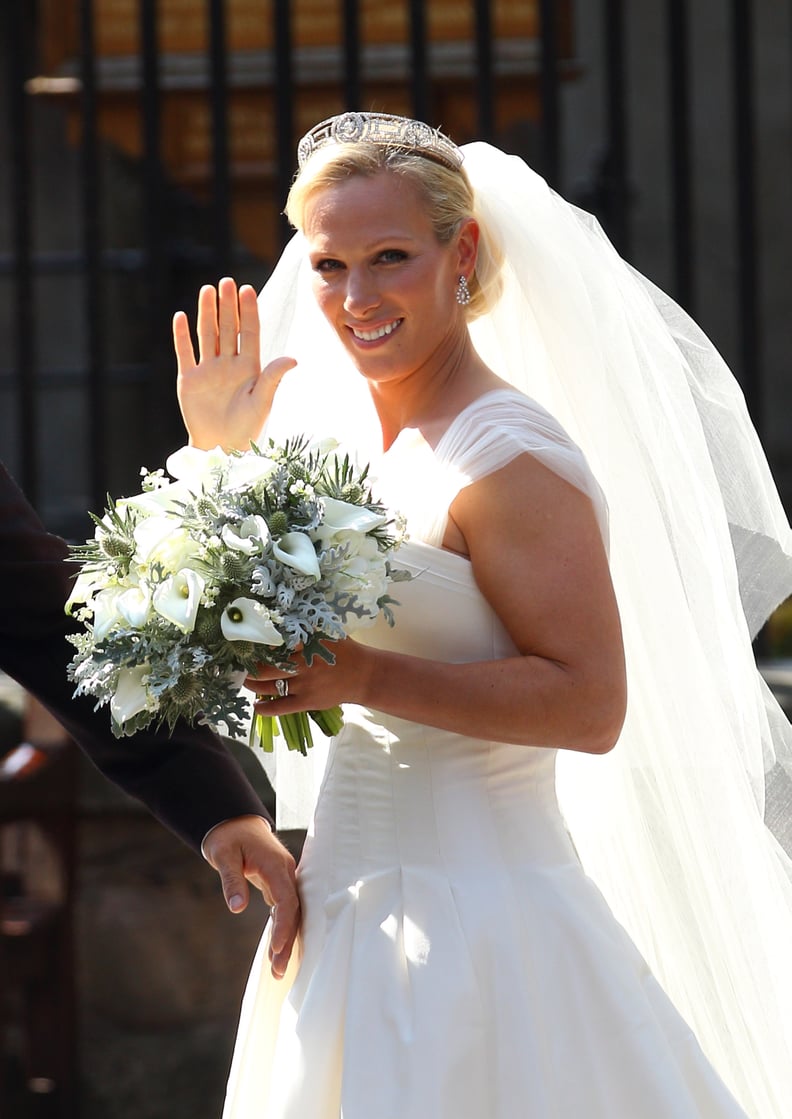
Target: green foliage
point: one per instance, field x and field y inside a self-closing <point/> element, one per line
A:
<point x="157" y="595"/>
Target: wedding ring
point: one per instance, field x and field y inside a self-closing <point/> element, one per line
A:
<point x="282" y="688"/>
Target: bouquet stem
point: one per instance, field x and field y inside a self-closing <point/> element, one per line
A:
<point x="296" y="728"/>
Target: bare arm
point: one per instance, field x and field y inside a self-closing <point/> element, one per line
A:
<point x="539" y="560"/>
<point x="225" y="397"/>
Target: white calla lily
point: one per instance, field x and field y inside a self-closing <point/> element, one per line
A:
<point x="325" y="446"/>
<point x="296" y="550"/>
<point x="106" y="612"/>
<point x="134" y="605"/>
<point x="342" y="515"/>
<point x="85" y="587"/>
<point x="245" y="619"/>
<point x="344" y="521"/>
<point x="166" y="499"/>
<point x="194" y="466"/>
<point x="247" y="469"/>
<point x="130" y="696"/>
<point x="178" y="597"/>
<point x="252" y="536"/>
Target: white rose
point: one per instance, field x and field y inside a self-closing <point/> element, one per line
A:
<point x="368" y="595"/>
<point x="367" y="572"/>
<point x="163" y="540"/>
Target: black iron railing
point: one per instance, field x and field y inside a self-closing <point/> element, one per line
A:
<point x="161" y="260"/>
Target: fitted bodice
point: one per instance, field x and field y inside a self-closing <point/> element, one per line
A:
<point x="454" y="959"/>
<point x="441" y="614"/>
<point x="405" y="794"/>
<point x="409" y="790"/>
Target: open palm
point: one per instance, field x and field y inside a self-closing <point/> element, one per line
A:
<point x="225" y="396"/>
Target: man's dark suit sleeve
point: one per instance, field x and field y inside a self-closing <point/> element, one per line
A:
<point x="189" y="780"/>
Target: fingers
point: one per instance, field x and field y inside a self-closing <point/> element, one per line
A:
<point x="235" y="888"/>
<point x="282" y="942"/>
<point x="271" y="376"/>
<point x="227" y="323"/>
<point x="250" y="344"/>
<point x="285" y="926"/>
<point x="182" y="343"/>
<point x="228" y="318"/>
<point x="249" y="333"/>
<point x="225" y="397"/>
<point x="245" y="852"/>
<point x="280" y="688"/>
<point x="207" y="322"/>
<point x="265" y="683"/>
<point x="279" y="887"/>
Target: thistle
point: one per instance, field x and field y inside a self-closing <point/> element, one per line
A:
<point x="278" y="523"/>
<point x="117" y="547"/>
<point x="186" y="690"/>
<point x="207" y="626"/>
<point x="236" y="567"/>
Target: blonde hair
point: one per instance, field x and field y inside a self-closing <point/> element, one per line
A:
<point x="448" y="195"/>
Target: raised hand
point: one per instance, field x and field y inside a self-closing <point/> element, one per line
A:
<point x="225" y="397"/>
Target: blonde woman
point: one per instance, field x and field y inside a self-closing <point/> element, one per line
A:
<point x="480" y="342"/>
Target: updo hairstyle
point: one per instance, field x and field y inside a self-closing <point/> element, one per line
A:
<point x="448" y="195"/>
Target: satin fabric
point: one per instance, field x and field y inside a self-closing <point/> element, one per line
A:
<point x="455" y="960"/>
<point x="671" y="824"/>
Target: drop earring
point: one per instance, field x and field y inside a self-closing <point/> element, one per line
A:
<point x="462" y="292"/>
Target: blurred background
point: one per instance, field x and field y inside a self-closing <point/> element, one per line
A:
<point x="146" y="148"/>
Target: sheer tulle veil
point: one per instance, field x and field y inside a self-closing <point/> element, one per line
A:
<point x="670" y="823"/>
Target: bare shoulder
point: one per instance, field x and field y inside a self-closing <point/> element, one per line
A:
<point x="527" y="500"/>
<point x="539" y="558"/>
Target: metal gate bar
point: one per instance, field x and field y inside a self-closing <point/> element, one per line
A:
<point x="683" y="248"/>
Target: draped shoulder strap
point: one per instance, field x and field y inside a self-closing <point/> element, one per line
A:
<point x="490" y="433"/>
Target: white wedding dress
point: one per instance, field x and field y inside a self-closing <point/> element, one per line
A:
<point x="455" y="961"/>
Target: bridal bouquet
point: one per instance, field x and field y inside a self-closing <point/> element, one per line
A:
<point x="237" y="560"/>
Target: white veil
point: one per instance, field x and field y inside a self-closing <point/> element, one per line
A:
<point x="670" y="824"/>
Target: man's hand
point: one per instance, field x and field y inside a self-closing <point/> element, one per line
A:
<point x="225" y="397"/>
<point x="246" y="850"/>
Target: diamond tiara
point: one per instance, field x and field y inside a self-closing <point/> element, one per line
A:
<point x="385" y="130"/>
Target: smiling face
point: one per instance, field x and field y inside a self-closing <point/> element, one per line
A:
<point x="381" y="277"/>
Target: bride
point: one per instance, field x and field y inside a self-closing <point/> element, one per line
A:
<point x="481" y="344"/>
